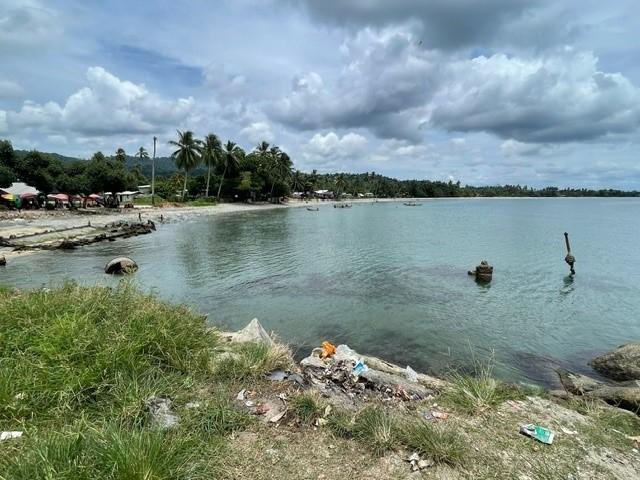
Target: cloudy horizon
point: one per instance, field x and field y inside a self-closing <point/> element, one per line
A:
<point x="502" y="91"/>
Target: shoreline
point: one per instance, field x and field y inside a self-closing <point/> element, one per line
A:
<point x="34" y="222"/>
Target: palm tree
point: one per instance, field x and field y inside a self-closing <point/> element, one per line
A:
<point x="341" y="184"/>
<point x="121" y="156"/>
<point x="230" y="160"/>
<point x="142" y="153"/>
<point x="187" y="156"/>
<point x="211" y="150"/>
<point x="297" y="183"/>
<point x="279" y="166"/>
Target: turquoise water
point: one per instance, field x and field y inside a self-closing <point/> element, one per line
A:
<point x="391" y="280"/>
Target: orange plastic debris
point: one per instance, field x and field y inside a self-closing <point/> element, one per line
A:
<point x="328" y="350"/>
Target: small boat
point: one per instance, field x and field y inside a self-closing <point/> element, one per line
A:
<point x="341" y="205"/>
<point x="310" y="209"/>
<point x="412" y="204"/>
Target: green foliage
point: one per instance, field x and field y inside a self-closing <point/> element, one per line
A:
<point x="7" y="177"/>
<point x="340" y="422"/>
<point x="376" y="427"/>
<point x="78" y="350"/>
<point x="480" y="392"/>
<point x="306" y="407"/>
<point x="247" y="361"/>
<point x="111" y="451"/>
<point x="435" y="442"/>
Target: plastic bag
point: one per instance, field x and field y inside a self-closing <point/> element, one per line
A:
<point x="328" y="350"/>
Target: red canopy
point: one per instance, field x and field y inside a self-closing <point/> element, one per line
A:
<point x="95" y="196"/>
<point x="24" y="196"/>
<point x="59" y="196"/>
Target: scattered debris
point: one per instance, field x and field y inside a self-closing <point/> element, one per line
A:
<point x="276" y="418"/>
<point x="282" y="375"/>
<point x="191" y="405"/>
<point x="121" y="265"/>
<point x="348" y="374"/>
<point x="541" y="434"/>
<point x="417" y="463"/>
<point x="568" y="431"/>
<point x="9" y="435"/>
<point x="161" y="413"/>
<point x="359" y="368"/>
<point x="439" y="415"/>
<point x="241" y="395"/>
<point x="250" y="403"/>
<point x="328" y="350"/>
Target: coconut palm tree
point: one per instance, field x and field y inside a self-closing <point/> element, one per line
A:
<point x="341" y="184"/>
<point x="229" y="160"/>
<point x="211" y="150"/>
<point x="297" y="183"/>
<point x="188" y="154"/>
<point x="142" y="153"/>
<point x="121" y="156"/>
<point x="279" y="166"/>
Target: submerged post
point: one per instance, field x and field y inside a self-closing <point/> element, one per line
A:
<point x="570" y="259"/>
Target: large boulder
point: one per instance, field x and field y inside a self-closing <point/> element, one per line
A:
<point x="121" y="265"/>
<point x="623" y="363"/>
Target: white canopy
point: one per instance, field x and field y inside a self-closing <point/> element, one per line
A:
<point x="18" y="188"/>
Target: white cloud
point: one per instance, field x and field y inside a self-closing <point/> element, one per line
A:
<point x="107" y="106"/>
<point x="27" y="24"/>
<point x="10" y="89"/>
<point x="333" y="145"/>
<point x="256" y="132"/>
<point x="559" y="97"/>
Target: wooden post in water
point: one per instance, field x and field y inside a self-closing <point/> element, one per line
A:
<point x="570" y="259"/>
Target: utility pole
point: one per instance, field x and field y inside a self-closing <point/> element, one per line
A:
<point x="153" y="173"/>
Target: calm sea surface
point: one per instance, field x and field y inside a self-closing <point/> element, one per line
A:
<point x="391" y="280"/>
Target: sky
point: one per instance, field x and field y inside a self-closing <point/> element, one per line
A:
<point x="530" y="92"/>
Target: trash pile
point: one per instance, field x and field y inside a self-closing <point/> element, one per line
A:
<point x="342" y="372"/>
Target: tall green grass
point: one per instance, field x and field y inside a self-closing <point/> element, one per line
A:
<point x="77" y="366"/>
<point x="94" y="350"/>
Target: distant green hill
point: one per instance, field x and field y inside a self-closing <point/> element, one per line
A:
<point x="165" y="166"/>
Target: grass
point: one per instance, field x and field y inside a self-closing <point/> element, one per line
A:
<point x="250" y="361"/>
<point x="474" y="394"/>
<point x="77" y="366"/>
<point x="147" y="200"/>
<point x="376" y="427"/>
<point x="201" y="202"/>
<point x="443" y="446"/>
<point x="306" y="408"/>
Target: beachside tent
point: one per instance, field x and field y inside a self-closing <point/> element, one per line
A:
<point x="18" y="189"/>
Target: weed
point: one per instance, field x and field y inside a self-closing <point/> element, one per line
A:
<point x="375" y="426"/>
<point x="306" y="407"/>
<point x="441" y="445"/>
<point x="340" y="422"/>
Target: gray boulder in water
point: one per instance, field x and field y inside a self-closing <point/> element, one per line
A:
<point x="121" y="265"/>
<point x="621" y="364"/>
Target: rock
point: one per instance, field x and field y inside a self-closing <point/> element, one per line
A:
<point x="253" y="332"/>
<point x="3" y="261"/>
<point x="624" y="395"/>
<point x="121" y="265"/>
<point x="623" y="363"/>
<point x="384" y="380"/>
<point x="576" y="383"/>
<point x="627" y="396"/>
<point x="483" y="272"/>
<point x="312" y="362"/>
<point x="161" y="413"/>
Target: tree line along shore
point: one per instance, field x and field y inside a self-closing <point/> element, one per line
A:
<point x="112" y="383"/>
<point x="207" y="168"/>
